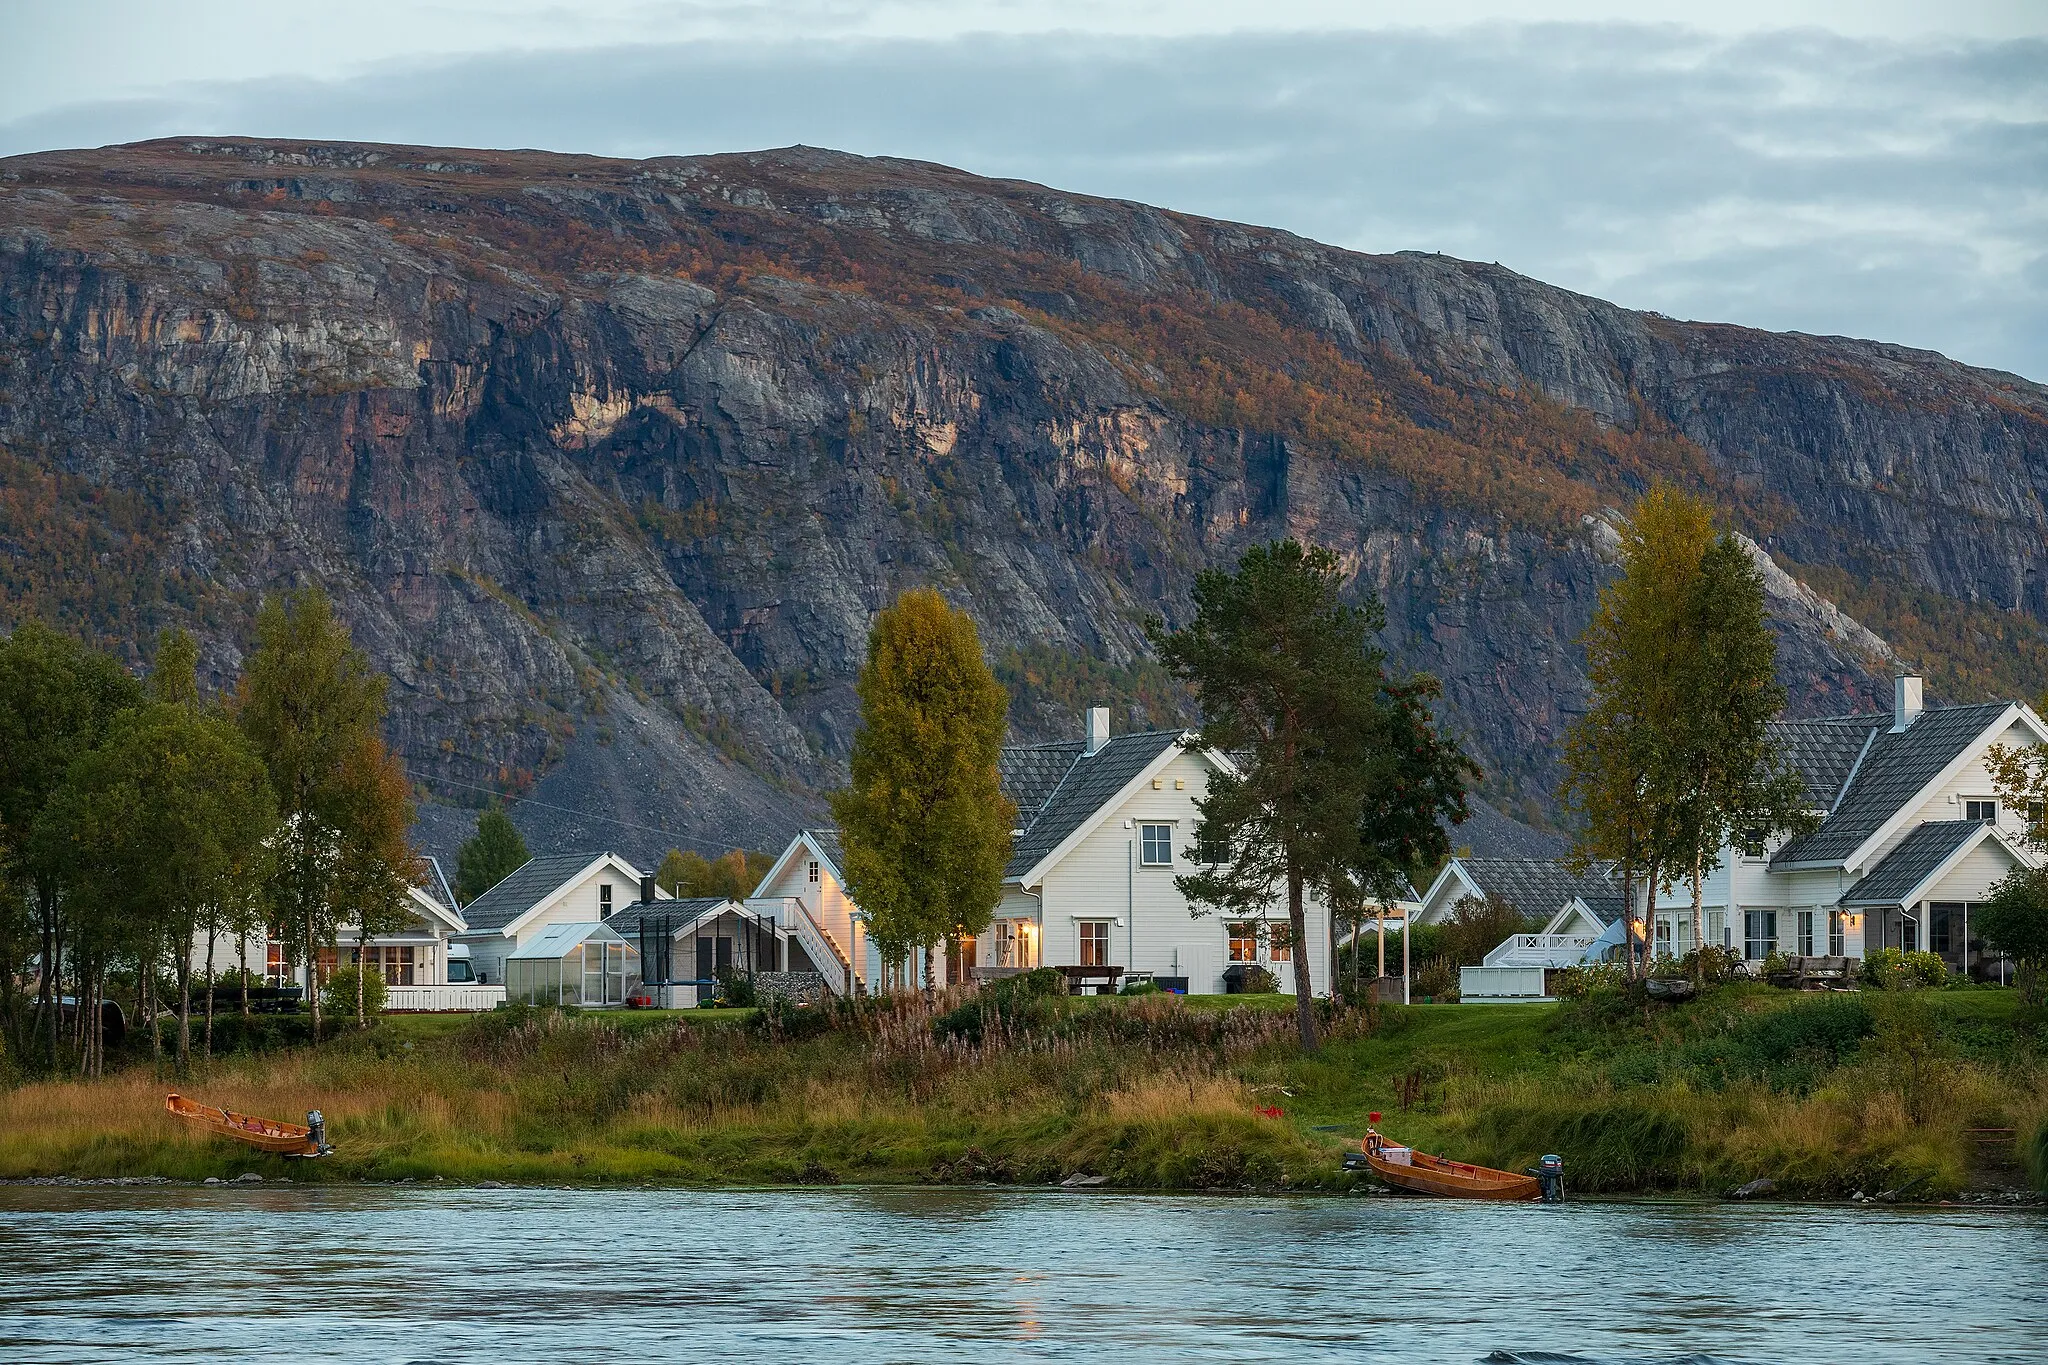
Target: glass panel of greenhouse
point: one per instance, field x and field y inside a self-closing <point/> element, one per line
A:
<point x="573" y="964"/>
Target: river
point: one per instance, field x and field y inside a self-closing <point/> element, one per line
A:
<point x="513" y="1275"/>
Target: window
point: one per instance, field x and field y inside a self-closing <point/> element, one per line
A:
<point x="1158" y="846"/>
<point x="1759" y="934"/>
<point x="1838" y="941"/>
<point x="604" y="901"/>
<point x="811" y="872"/>
<point x="393" y="962"/>
<point x="1941" y="920"/>
<point x="1806" y="933"/>
<point x="1981" y="809"/>
<point x="1752" y="843"/>
<point x="277" y="964"/>
<point x="1282" y="937"/>
<point x="1909" y="933"/>
<point x="1244" y="942"/>
<point x="1094" y="942"/>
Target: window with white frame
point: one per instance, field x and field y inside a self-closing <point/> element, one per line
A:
<point x="811" y="872"/>
<point x="1094" y="942"/>
<point x="1752" y="844"/>
<point x="1981" y="808"/>
<point x="1806" y="933"/>
<point x="1280" y="943"/>
<point x="1838" y="938"/>
<point x="604" y="900"/>
<point x="1156" y="848"/>
<point x="1244" y="941"/>
<point x="1759" y="934"/>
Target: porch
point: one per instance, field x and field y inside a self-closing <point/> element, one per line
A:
<point x="1540" y="950"/>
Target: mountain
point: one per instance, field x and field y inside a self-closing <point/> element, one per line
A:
<point x="610" y="462"/>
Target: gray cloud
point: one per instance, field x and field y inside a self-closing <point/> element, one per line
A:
<point x="1794" y="180"/>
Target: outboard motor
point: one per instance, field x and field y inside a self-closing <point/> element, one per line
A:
<point x="317" y="1121"/>
<point x="1549" y="1174"/>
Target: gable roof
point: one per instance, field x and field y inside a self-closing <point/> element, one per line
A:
<point x="1541" y="886"/>
<point x="821" y="843"/>
<point x="1894" y="769"/>
<point x="1920" y="856"/>
<point x="430" y="907"/>
<point x="1824" y="752"/>
<point x="558" y="939"/>
<point x="1088" y="783"/>
<point x="531" y="883"/>
<point x="681" y="913"/>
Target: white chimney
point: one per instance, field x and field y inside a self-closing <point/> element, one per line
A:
<point x="1905" y="700"/>
<point x="1098" y="729"/>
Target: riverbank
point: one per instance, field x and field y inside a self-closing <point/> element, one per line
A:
<point x="1921" y="1095"/>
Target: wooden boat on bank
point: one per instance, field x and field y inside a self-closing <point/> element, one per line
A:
<point x="1407" y="1169"/>
<point x="266" y="1135"/>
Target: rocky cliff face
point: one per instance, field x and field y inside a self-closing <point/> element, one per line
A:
<point x="610" y="463"/>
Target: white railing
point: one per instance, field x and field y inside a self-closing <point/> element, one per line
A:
<point x="1540" y="950"/>
<point x="443" y="999"/>
<point x="1500" y="983"/>
<point x="814" y="936"/>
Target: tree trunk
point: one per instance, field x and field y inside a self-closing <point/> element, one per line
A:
<point x="1699" y="921"/>
<point x="1649" y="921"/>
<point x="242" y="962"/>
<point x="148" y="991"/>
<point x="184" y="1009"/>
<point x="1628" y="900"/>
<point x="312" y="975"/>
<point x="931" y="987"/>
<point x="362" y="966"/>
<point x="1297" y="941"/>
<point x="207" y="1049"/>
<point x="50" y="993"/>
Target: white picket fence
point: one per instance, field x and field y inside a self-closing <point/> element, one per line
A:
<point x="469" y="998"/>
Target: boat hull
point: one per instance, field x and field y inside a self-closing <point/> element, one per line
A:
<point x="265" y="1135"/>
<point x="1424" y="1174"/>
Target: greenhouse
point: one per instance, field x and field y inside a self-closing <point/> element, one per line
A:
<point x="573" y="964"/>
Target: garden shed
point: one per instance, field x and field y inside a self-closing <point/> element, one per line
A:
<point x="573" y="964"/>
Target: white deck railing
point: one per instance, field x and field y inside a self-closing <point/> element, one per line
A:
<point x="469" y="998"/>
<point x="1540" y="950"/>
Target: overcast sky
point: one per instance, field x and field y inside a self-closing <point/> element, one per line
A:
<point x="1877" y="169"/>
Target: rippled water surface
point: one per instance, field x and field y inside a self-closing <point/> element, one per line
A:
<point x="863" y="1275"/>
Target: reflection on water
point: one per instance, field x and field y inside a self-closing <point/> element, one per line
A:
<point x="875" y="1275"/>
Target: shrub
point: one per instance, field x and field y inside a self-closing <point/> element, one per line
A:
<point x="1436" y="978"/>
<point x="1587" y="978"/>
<point x="1259" y="981"/>
<point x="794" y="1021"/>
<point x="1788" y="1049"/>
<point x="338" y="996"/>
<point x="736" y="991"/>
<point x="1884" y="970"/>
<point x="1711" y="965"/>
<point x="1140" y="988"/>
<point x="1926" y="969"/>
<point x="1025" y="1000"/>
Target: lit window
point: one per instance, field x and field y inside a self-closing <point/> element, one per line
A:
<point x="1984" y="810"/>
<point x="1158" y="846"/>
<point x="1094" y="942"/>
<point x="1244" y="942"/>
<point x="1282" y="937"/>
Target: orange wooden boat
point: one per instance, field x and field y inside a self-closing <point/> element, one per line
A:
<point x="267" y="1135"/>
<point x="1407" y="1169"/>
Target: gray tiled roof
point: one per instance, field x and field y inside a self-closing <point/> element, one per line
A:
<point x="1086" y="785"/>
<point x="1541" y="886"/>
<point x="1031" y="773"/>
<point x="1901" y="871"/>
<point x="682" y="911"/>
<point x="1489" y="833"/>
<point x="1824" y="752"/>
<point x="1895" y="770"/>
<point x="525" y="888"/>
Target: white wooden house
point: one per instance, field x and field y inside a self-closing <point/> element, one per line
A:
<point x="1104" y="824"/>
<point x="555" y="888"/>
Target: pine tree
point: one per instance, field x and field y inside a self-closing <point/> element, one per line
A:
<point x="1338" y="772"/>
<point x="923" y="821"/>
<point x="490" y="855"/>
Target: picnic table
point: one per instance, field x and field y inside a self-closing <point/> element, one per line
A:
<point x="1103" y="978"/>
